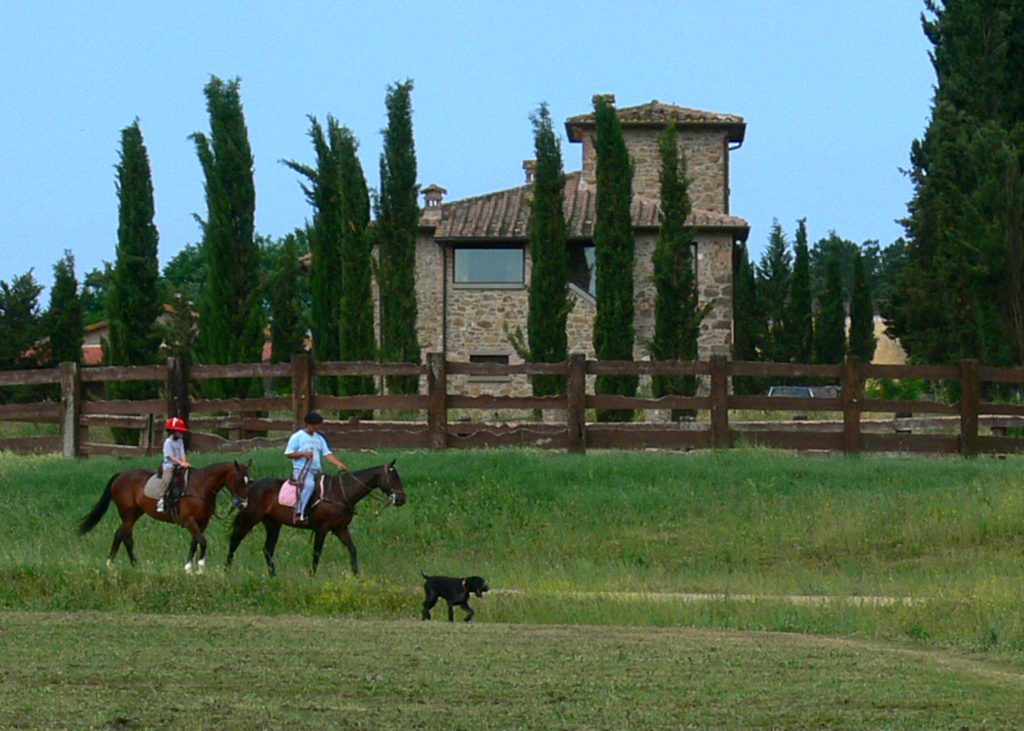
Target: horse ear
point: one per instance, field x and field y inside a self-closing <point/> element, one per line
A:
<point x="392" y="462"/>
<point x="237" y="466"/>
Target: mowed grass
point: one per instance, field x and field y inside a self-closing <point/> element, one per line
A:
<point x="112" y="670"/>
<point x="897" y="584"/>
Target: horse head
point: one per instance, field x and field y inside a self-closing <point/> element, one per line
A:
<point x="238" y="482"/>
<point x="391" y="485"/>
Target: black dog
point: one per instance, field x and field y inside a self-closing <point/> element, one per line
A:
<point x="455" y="591"/>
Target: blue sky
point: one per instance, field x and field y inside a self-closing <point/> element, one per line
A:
<point x="833" y="94"/>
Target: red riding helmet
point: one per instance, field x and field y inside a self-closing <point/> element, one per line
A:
<point x="176" y="423"/>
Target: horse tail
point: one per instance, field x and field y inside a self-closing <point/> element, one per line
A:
<point x="99" y="509"/>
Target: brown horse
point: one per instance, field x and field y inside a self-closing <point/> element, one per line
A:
<point x="332" y="507"/>
<point x="195" y="508"/>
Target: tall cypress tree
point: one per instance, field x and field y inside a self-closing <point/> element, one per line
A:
<point x="549" y="253"/>
<point x="398" y="215"/>
<point x="64" y="321"/>
<point x="749" y="325"/>
<point x="773" y="275"/>
<point x="287" y="325"/>
<point x="134" y="298"/>
<point x="357" y="341"/>
<point x="231" y="317"/>
<point x="325" y="239"/>
<point x="677" y="314"/>
<point x="614" y="248"/>
<point x="830" y="328"/>
<point x="862" y="339"/>
<point x="800" y="320"/>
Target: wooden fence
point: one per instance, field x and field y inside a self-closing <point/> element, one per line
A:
<point x="859" y="424"/>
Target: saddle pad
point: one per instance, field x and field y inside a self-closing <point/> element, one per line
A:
<point x="288" y="495"/>
<point x="153" y="488"/>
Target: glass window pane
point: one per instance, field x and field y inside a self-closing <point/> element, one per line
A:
<point x="581" y="266"/>
<point x="489" y="266"/>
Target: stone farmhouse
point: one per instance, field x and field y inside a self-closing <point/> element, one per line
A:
<point x="473" y="263"/>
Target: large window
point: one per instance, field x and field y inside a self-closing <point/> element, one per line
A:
<point x="489" y="265"/>
<point x="581" y="266"/>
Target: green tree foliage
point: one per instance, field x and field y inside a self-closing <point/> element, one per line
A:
<point x="135" y="299"/>
<point x="547" y="340"/>
<point x="287" y="321"/>
<point x="677" y="313"/>
<point x="187" y="272"/>
<point x="800" y="318"/>
<point x="398" y="215"/>
<point x="773" y="275"/>
<point x="749" y="321"/>
<point x="614" y="246"/>
<point x="20" y="327"/>
<point x="862" y="339"/>
<point x="231" y="315"/>
<point x="961" y="293"/>
<point x="325" y="238"/>
<point x="64" y="324"/>
<point x="95" y="285"/>
<point x="358" y="341"/>
<point x="830" y="327"/>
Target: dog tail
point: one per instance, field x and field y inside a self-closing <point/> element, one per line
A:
<point x="424" y="575"/>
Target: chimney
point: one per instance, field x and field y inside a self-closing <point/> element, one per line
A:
<point x="433" y="195"/>
<point x="530" y="168"/>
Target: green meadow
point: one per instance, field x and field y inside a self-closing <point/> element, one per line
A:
<point x="759" y="582"/>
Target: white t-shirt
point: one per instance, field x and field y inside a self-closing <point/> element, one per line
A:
<point x="173" y="448"/>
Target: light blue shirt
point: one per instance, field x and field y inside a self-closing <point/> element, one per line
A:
<point x="301" y="441"/>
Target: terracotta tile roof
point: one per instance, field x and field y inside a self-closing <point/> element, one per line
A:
<point x="657" y="114"/>
<point x="505" y="215"/>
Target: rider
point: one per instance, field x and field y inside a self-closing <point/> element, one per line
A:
<point x="307" y="448"/>
<point x="174" y="455"/>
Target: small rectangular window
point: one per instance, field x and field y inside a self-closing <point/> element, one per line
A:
<point x="489" y="358"/>
<point x="489" y="265"/>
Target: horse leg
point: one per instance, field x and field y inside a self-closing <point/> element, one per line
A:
<point x="344" y="537"/>
<point x="318" y="547"/>
<point x="273" y="529"/>
<point x="242" y="527"/>
<point x="198" y="539"/>
<point x="124" y="535"/>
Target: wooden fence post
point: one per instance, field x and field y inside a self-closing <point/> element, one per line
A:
<point x="719" y="402"/>
<point x="576" y="411"/>
<point x="70" y="396"/>
<point x="437" y="401"/>
<point x="851" y="405"/>
<point x="302" y="382"/>
<point x="178" y="381"/>
<point x="970" y="396"/>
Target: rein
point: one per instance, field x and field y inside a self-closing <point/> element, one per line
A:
<point x="370" y="492"/>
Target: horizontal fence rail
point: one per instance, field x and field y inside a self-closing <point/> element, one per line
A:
<point x="460" y="404"/>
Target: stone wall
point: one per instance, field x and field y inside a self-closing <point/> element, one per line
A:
<point x="707" y="160"/>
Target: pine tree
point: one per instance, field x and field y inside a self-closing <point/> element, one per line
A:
<point x="358" y="341"/>
<point x="614" y="246"/>
<point x="800" y="321"/>
<point x="547" y="340"/>
<point x="961" y="293"/>
<point x="135" y="299"/>
<point x="326" y="235"/>
<point x="773" y="275"/>
<point x="231" y="316"/>
<point x="65" y="326"/>
<point x="20" y="328"/>
<point x="749" y="322"/>
<point x="397" y="221"/>
<point x="862" y="338"/>
<point x="830" y="327"/>
<point x="677" y="314"/>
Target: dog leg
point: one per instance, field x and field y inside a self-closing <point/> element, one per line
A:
<point x="428" y="604"/>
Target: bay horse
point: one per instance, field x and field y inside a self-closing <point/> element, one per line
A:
<point x="194" y="510"/>
<point x="332" y="508"/>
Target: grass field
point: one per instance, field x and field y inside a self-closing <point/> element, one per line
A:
<point x="736" y="589"/>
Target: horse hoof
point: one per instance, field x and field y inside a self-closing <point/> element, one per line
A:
<point x="110" y="563"/>
<point x="188" y="568"/>
<point x="202" y="566"/>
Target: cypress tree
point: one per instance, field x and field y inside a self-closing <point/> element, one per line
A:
<point x="325" y="239"/>
<point x="862" y="339"/>
<point x="134" y="300"/>
<point x="614" y="255"/>
<point x="549" y="253"/>
<point x="749" y="324"/>
<point x="64" y="322"/>
<point x="287" y="326"/>
<point x="20" y="328"/>
<point x="95" y="286"/>
<point x="677" y="315"/>
<point x="231" y="316"/>
<point x="398" y="215"/>
<point x="830" y="328"/>
<point x="773" y="275"/>
<point x="357" y="339"/>
<point x="800" y="322"/>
